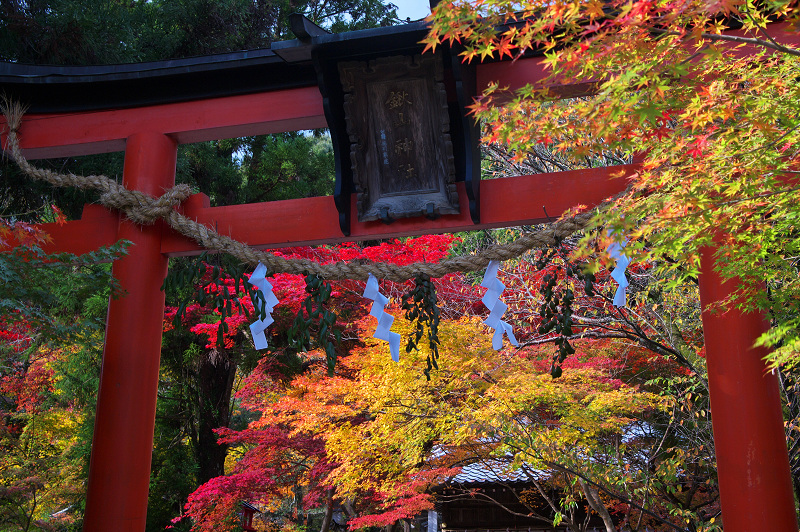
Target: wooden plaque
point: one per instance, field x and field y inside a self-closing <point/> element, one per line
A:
<point x="399" y="130"/>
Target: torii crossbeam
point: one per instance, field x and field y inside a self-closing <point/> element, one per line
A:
<point x="152" y="108"/>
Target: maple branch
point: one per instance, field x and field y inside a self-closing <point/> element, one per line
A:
<point x="779" y="46"/>
<point x="761" y="28"/>
<point x="638" y="336"/>
<point x="617" y="496"/>
<point x="593" y="498"/>
<point x="649" y="477"/>
<point x="743" y="199"/>
<point x="594" y="321"/>
<point x="531" y="477"/>
<point x="767" y="145"/>
<point x="566" y="469"/>
<point x="734" y="38"/>
<point x="580" y="336"/>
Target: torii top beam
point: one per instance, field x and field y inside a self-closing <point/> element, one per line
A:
<point x="92" y="108"/>
<point x="85" y="110"/>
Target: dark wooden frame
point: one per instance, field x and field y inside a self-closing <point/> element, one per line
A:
<point x="401" y="153"/>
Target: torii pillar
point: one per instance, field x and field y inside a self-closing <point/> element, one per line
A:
<point x="126" y="404"/>
<point x="746" y="414"/>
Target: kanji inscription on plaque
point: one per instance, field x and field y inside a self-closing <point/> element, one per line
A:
<point x="399" y="130"/>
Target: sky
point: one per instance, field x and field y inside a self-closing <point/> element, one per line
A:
<point x="413" y="9"/>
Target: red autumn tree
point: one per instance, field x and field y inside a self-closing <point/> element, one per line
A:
<point x="318" y="439"/>
<point x="230" y="332"/>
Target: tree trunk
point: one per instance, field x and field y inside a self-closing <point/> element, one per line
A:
<point x="348" y="507"/>
<point x="593" y="498"/>
<point x="326" y="520"/>
<point x="215" y="386"/>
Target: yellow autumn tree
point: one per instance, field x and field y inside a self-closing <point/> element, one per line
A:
<point x="503" y="413"/>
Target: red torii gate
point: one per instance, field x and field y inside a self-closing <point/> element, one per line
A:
<point x="752" y="459"/>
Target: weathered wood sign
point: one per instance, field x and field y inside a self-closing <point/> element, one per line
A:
<point x="401" y="153"/>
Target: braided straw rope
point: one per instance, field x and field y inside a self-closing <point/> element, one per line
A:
<point x="145" y="210"/>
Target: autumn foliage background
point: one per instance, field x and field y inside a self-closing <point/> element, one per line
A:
<point x="704" y="94"/>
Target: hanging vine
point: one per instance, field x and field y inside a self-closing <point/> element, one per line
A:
<point x="420" y="306"/>
<point x="556" y="309"/>
<point x="314" y="315"/>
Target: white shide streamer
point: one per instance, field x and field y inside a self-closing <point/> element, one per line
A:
<point x="496" y="307"/>
<point x="257" y="328"/>
<point x="385" y="319"/>
<point x="615" y="251"/>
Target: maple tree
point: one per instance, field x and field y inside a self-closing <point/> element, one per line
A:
<point x="39" y="434"/>
<point x="555" y="300"/>
<point x="378" y="435"/>
<point x="655" y="341"/>
<point x="365" y="438"/>
<point x="703" y="92"/>
<point x="588" y="434"/>
<point x="50" y="317"/>
<point x="291" y="453"/>
<point x="223" y="328"/>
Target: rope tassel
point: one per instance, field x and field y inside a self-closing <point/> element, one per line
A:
<point x="259" y="279"/>
<point x="496" y="307"/>
<point x="385" y="319"/>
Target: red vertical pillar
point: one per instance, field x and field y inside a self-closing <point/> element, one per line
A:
<point x="119" y="473"/>
<point x="752" y="460"/>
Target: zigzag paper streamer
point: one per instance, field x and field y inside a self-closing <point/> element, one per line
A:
<point x="496" y="307"/>
<point x="385" y="319"/>
<point x="618" y="274"/>
<point x="259" y="279"/>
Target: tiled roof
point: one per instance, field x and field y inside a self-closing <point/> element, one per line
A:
<point x="488" y="471"/>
